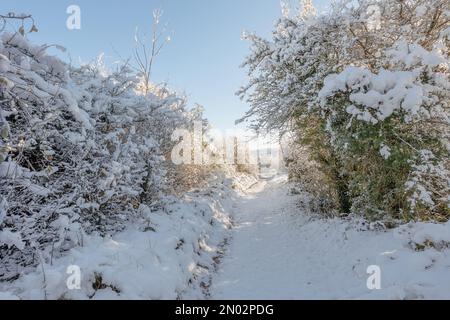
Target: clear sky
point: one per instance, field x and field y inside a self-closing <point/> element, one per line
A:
<point x="204" y="54"/>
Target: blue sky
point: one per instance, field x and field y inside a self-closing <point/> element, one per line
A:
<point x="202" y="58"/>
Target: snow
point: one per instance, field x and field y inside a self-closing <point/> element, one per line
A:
<point x="438" y="234"/>
<point x="3" y="206"/>
<point x="11" y="239"/>
<point x="70" y="101"/>
<point x="8" y="296"/>
<point x="276" y="250"/>
<point x="413" y="54"/>
<point x="421" y="10"/>
<point x="279" y="251"/>
<point x="10" y="169"/>
<point x="379" y="95"/>
<point x="164" y="256"/>
<point x="4" y="63"/>
<point x="385" y="152"/>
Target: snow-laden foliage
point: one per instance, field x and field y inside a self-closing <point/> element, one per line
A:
<point x="165" y="254"/>
<point x="366" y="88"/>
<point x="81" y="151"/>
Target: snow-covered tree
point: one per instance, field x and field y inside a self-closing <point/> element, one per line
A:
<point x="365" y="87"/>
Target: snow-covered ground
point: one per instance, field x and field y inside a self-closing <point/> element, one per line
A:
<point x="168" y="254"/>
<point x="274" y="249"/>
<point x="279" y="251"/>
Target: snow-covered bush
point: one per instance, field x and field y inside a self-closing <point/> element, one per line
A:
<point x="310" y="176"/>
<point x="366" y="88"/>
<point x="81" y="150"/>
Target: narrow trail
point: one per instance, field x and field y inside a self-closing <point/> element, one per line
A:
<point x="261" y="261"/>
<point x="279" y="252"/>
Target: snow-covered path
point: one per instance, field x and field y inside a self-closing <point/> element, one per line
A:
<point x="280" y="252"/>
<point x="270" y="257"/>
<point x="261" y="262"/>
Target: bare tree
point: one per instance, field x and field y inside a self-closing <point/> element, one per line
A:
<point x="144" y="55"/>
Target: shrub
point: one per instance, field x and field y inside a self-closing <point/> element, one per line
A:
<point x="80" y="150"/>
